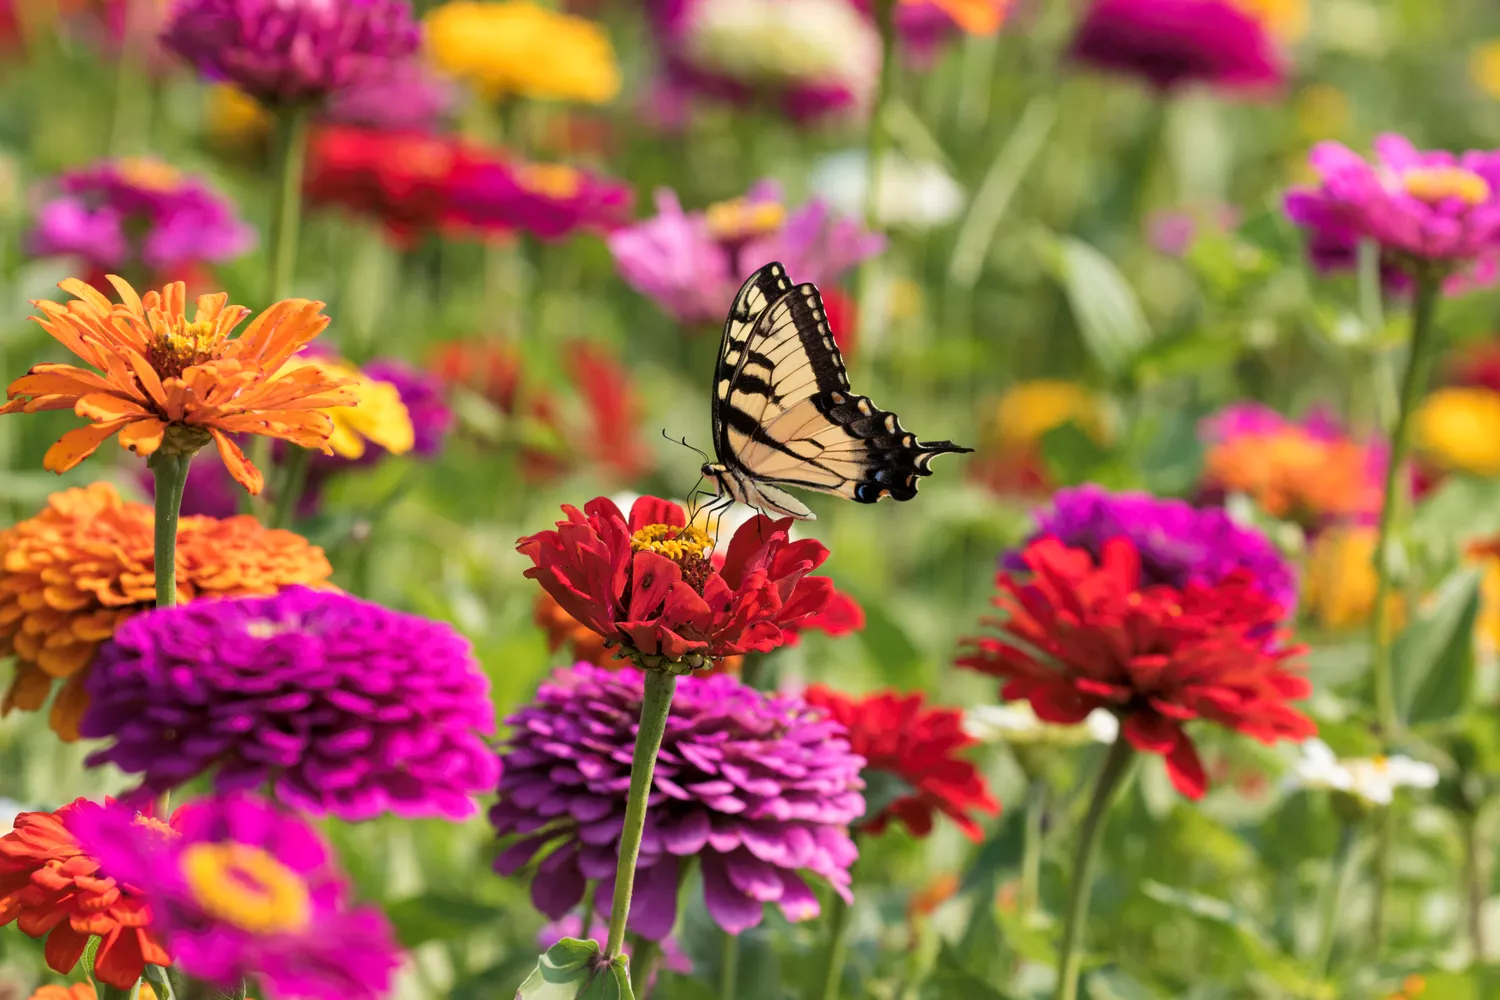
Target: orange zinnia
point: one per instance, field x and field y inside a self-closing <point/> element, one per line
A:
<point x="166" y="381"/>
<point x="51" y="887"/>
<point x="80" y="991"/>
<point x="71" y="575"/>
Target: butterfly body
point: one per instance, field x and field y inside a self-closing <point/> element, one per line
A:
<point x="784" y="415"/>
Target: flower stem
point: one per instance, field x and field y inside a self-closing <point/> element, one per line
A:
<point x="170" y="472"/>
<point x="1413" y="382"/>
<point x="729" y="967"/>
<point x="1031" y="849"/>
<point x="655" y="707"/>
<point x="289" y="489"/>
<point x="1385" y="842"/>
<point x="1112" y="773"/>
<point x="1333" y="897"/>
<point x="838" y="944"/>
<point x="286" y="206"/>
<point x="108" y="992"/>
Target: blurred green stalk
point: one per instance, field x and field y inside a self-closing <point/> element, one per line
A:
<point x="1333" y="897"/>
<point x="655" y="706"/>
<point x="644" y="957"/>
<point x="108" y="992"/>
<point x="1112" y="774"/>
<point x="170" y="473"/>
<point x="838" y="945"/>
<point x="1031" y="849"/>
<point x="877" y="142"/>
<point x="289" y="487"/>
<point x="729" y="967"/>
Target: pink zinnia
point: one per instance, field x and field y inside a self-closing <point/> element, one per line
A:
<point x="1173" y="43"/>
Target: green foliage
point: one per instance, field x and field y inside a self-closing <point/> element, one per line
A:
<point x="575" y="970"/>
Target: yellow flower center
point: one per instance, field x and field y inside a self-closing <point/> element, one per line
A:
<point x="1380" y="763"/>
<point x="550" y="180"/>
<point x="151" y="174"/>
<point x="183" y="346"/>
<point x="1433" y="184"/>
<point x="737" y="219"/>
<point x="677" y="544"/>
<point x="247" y="887"/>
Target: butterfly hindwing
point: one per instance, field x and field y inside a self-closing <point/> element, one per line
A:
<point x="787" y="415"/>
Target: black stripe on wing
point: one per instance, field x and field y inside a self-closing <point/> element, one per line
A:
<point x="768" y="284"/>
<point x="802" y="307"/>
<point x="893" y="457"/>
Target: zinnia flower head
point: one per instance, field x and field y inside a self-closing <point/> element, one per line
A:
<point x="52" y="885"/>
<point x="1016" y="724"/>
<point x="1177" y="543"/>
<point x="72" y="575"/>
<point x="340" y="705"/>
<point x="1310" y="471"/>
<point x="401" y="94"/>
<point x="1086" y="632"/>
<point x="1373" y="780"/>
<point x="691" y="263"/>
<point x="138" y="213"/>
<point x="243" y="890"/>
<point x="1174" y="43"/>
<point x="549" y="200"/>
<point x="163" y="380"/>
<point x="375" y="415"/>
<point x="1457" y="429"/>
<point x="286" y="52"/>
<point x="897" y="735"/>
<point x="422" y="395"/>
<point x="494" y="47"/>
<point x="755" y="787"/>
<point x="1426" y="211"/>
<point x="1341" y="583"/>
<point x="650" y="584"/>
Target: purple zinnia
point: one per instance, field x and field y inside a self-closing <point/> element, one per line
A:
<point x="691" y="263"/>
<point x="138" y="212"/>
<point x="339" y="705"/>
<point x="285" y="52"/>
<point x="1178" y="543"/>
<point x="245" y="891"/>
<point x="1418" y="207"/>
<point x="404" y="94"/>
<point x="756" y="787"/>
<point x="1171" y="43"/>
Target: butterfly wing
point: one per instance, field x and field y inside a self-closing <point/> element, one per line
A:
<point x="790" y="418"/>
<point x="762" y="288"/>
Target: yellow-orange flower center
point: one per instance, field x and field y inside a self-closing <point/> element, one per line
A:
<point x="677" y="544"/>
<point x="1434" y="184"/>
<point x="151" y="174"/>
<point x="183" y="345"/>
<point x="551" y="180"/>
<point x="247" y="887"/>
<point x="738" y="219"/>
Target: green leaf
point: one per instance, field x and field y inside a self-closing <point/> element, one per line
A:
<point x="949" y="980"/>
<point x="160" y="984"/>
<point x="1072" y="456"/>
<point x="1434" y="655"/>
<point x="435" y="917"/>
<point x="881" y="789"/>
<point x="888" y="644"/>
<point x="1104" y="305"/>
<point x="575" y="970"/>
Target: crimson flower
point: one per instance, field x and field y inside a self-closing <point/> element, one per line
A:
<point x="897" y="735"/>
<point x="651" y="584"/>
<point x="1094" y="635"/>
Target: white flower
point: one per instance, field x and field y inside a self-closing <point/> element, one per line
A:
<point x="919" y="195"/>
<point x="786" y="43"/>
<point x="1015" y="722"/>
<point x="1373" y="779"/>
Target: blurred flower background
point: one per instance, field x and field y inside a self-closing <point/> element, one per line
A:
<point x="1209" y="286"/>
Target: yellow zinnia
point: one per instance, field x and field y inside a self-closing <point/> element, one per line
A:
<point x="1458" y="428"/>
<point x="1031" y="409"/>
<point x="1484" y="68"/>
<point x="235" y="118"/>
<point x="518" y="48"/>
<point x="379" y="416"/>
<point x="1340" y="583"/>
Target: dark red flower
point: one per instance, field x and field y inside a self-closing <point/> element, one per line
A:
<point x="612" y="436"/>
<point x="897" y="735"/>
<point x="840" y="616"/>
<point x="649" y="583"/>
<point x="843" y="319"/>
<point x="1092" y="636"/>
<point x="492" y="368"/>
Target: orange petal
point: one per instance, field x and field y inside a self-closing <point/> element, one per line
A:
<point x="78" y="444"/>
<point x="143" y="437"/>
<point x="28" y="689"/>
<point x="238" y="465"/>
<point x="105" y="406"/>
<point x="46" y="380"/>
<point x="128" y="298"/>
<point x="68" y="708"/>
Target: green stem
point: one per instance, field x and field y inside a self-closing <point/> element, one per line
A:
<point x="1418" y="362"/>
<point x="1333" y="897"/>
<point x="1476" y="882"/>
<point x="644" y="958"/>
<point x="170" y="472"/>
<point x="1112" y="774"/>
<point x="655" y="707"/>
<point x="1031" y="849"/>
<point x="293" y="481"/>
<point x="729" y="967"/>
<point x="108" y="992"/>
<point x="838" y="945"/>
<point x="1385" y="841"/>
<point x="286" y="207"/>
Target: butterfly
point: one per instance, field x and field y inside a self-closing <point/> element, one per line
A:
<point x="784" y="415"/>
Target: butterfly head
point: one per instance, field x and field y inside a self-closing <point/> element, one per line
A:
<point x="715" y="474"/>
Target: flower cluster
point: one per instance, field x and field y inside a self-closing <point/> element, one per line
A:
<point x="72" y="575"/>
<point x="1309" y="471"/>
<point x="164" y="381"/>
<point x="339" y="705"/>
<point x="756" y="788"/>
<point x="691" y="263"/>
<point x="1086" y="632"/>
<point x="649" y="584"/>
<point x="137" y="215"/>
<point x="241" y="890"/>
<point x="493" y="46"/>
<point x="899" y="736"/>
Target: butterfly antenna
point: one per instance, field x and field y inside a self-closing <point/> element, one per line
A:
<point x="683" y="441"/>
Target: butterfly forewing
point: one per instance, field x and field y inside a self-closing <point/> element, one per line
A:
<point x="756" y="295"/>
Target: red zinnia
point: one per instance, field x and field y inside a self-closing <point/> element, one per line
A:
<point x="48" y="884"/>
<point x="650" y="583"/>
<point x="1094" y="637"/>
<point x="613" y="409"/>
<point x="898" y="736"/>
